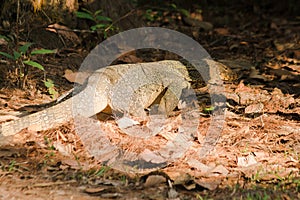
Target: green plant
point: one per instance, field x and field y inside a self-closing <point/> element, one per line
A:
<point x="23" y="59"/>
<point x="51" y="88"/>
<point x="12" y="165"/>
<point x="258" y="196"/>
<point x="6" y="38"/>
<point x="160" y="13"/>
<point x="152" y="15"/>
<point x="102" y="23"/>
<point x="200" y="197"/>
<point x="48" y="157"/>
<point x="102" y="171"/>
<point x="124" y="179"/>
<point x="49" y="143"/>
<point x="182" y="11"/>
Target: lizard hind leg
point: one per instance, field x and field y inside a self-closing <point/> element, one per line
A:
<point x="171" y="97"/>
<point x="143" y="98"/>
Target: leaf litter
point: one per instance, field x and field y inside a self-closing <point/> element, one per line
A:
<point x="260" y="142"/>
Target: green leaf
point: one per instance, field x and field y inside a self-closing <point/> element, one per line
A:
<point x="49" y="83"/>
<point x="24" y="48"/>
<point x="84" y="15"/>
<point x="98" y="26"/>
<point x="4" y="37"/>
<point x="7" y="55"/>
<point x="42" y="51"/>
<point x="87" y="11"/>
<point x="185" y="12"/>
<point x="97" y="12"/>
<point x="51" y="88"/>
<point x="17" y="55"/>
<point x="103" y="18"/>
<point x="149" y="15"/>
<point x="209" y="109"/>
<point x="173" y="6"/>
<point x="34" y="64"/>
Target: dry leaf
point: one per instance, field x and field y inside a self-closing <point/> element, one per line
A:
<point x="67" y="34"/>
<point x="208" y="183"/>
<point x="73" y="164"/>
<point x="284" y="74"/>
<point x="254" y="108"/>
<point x="193" y="163"/>
<point x="295" y="68"/>
<point x="219" y="170"/>
<point x="154" y="180"/>
<point x="246" y="161"/>
<point x="150" y="156"/>
<point x="94" y="190"/>
<point x="254" y="73"/>
<point x="283" y="46"/>
<point x="178" y="176"/>
<point x="222" y="31"/>
<point x="76" y="77"/>
<point x="197" y="16"/>
<point x="64" y="149"/>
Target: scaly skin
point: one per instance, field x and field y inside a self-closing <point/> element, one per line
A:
<point x="128" y="88"/>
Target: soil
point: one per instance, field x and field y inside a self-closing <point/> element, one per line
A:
<point x="256" y="157"/>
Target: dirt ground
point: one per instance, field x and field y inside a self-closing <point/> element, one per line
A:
<point x="256" y="157"/>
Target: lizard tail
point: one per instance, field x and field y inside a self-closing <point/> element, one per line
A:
<point x="42" y="120"/>
<point x="85" y="104"/>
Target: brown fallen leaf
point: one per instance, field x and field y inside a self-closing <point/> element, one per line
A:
<point x="64" y="149"/>
<point x="222" y="31"/>
<point x="154" y="180"/>
<point x="279" y="101"/>
<point x="94" y="190"/>
<point x="254" y="108"/>
<point x="197" y="15"/>
<point x="255" y="74"/>
<point x="209" y="183"/>
<point x="246" y="161"/>
<point x="151" y="156"/>
<point x="219" y="170"/>
<point x="198" y="165"/>
<point x="295" y="68"/>
<point x="178" y="176"/>
<point x="283" y="46"/>
<point x="69" y="37"/>
<point x="284" y="74"/>
<point x="76" y="77"/>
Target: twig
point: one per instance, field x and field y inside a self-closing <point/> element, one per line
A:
<point x="116" y="21"/>
<point x="53" y="183"/>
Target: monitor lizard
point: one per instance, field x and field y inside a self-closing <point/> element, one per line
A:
<point x="126" y="88"/>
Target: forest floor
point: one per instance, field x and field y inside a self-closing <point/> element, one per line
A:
<point x="256" y="157"/>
